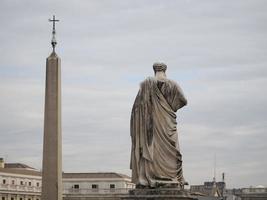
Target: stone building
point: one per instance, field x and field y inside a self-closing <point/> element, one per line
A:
<point x="95" y="185"/>
<point x="21" y="182"/>
<point x="215" y="189"/>
<point x="252" y="193"/>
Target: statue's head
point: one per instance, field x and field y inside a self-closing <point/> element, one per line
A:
<point x="159" y="67"/>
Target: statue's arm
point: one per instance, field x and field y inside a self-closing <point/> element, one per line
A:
<point x="136" y="102"/>
<point x="181" y="97"/>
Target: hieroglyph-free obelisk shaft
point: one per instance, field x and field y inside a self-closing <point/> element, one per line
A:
<point x="52" y="146"/>
<point x="52" y="149"/>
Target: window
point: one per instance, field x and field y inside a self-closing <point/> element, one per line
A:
<point x="3" y="198"/>
<point x="13" y="182"/>
<point x="12" y="198"/>
<point x="20" y="199"/>
<point x="37" y="184"/>
<point x="30" y="183"/>
<point x="76" y="186"/>
<point x="21" y="182"/>
<point x="4" y="182"/>
<point x="112" y="187"/>
<point x="94" y="186"/>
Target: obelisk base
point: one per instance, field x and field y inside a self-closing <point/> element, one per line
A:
<point x="159" y="194"/>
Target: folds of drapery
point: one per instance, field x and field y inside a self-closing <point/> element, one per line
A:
<point x="154" y="134"/>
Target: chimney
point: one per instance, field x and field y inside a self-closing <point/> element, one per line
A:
<point x="223" y="177"/>
<point x="2" y="163"/>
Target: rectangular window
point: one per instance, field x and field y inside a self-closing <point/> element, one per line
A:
<point x="12" y="198"/>
<point x="4" y="181"/>
<point x="94" y="186"/>
<point x="13" y="182"/>
<point x="37" y="184"/>
<point x="20" y="199"/>
<point x="76" y="186"/>
<point x="3" y="198"/>
<point x="112" y="186"/>
<point x="30" y="183"/>
<point x="21" y="182"/>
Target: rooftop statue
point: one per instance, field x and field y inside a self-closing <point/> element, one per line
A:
<point x="156" y="160"/>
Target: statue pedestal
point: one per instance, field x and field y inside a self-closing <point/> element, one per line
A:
<point x="159" y="194"/>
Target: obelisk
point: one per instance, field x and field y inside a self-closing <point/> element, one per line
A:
<point x="52" y="146"/>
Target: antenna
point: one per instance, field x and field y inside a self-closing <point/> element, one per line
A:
<point x="214" y="172"/>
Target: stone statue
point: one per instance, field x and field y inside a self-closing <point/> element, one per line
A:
<point x="156" y="160"/>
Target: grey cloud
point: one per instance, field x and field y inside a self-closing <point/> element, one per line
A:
<point x="214" y="49"/>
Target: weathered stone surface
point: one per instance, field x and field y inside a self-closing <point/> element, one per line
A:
<point x="159" y="194"/>
<point x="52" y="150"/>
<point x="155" y="156"/>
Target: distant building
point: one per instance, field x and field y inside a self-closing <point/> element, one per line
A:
<point x="252" y="193"/>
<point x="92" y="185"/>
<point x="204" y="192"/>
<point x="21" y="182"/>
<point x="230" y="194"/>
<point x="210" y="189"/>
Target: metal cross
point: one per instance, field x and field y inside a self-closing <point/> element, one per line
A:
<point x="53" y="41"/>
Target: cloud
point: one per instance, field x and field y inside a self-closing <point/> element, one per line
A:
<point x="215" y="50"/>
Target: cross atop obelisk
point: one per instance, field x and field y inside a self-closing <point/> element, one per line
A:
<point x="54" y="41"/>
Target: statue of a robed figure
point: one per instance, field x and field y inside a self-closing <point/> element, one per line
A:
<point x="156" y="160"/>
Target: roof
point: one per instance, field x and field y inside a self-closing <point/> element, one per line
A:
<point x="95" y="175"/>
<point x="21" y="171"/>
<point x="259" y="186"/>
<point x="197" y="193"/>
<point x="18" y="166"/>
<point x="65" y="175"/>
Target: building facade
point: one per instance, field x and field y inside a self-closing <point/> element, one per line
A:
<point x="252" y="193"/>
<point x="21" y="182"/>
<point x="96" y="185"/>
<point x="215" y="189"/>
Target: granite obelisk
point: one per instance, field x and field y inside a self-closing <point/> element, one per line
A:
<point x="52" y="145"/>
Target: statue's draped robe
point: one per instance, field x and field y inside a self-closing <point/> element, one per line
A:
<point x="155" y="155"/>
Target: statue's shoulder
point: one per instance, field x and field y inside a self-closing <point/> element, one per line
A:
<point x="172" y="83"/>
<point x="148" y="80"/>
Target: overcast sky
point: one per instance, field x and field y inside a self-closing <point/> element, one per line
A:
<point x="216" y="50"/>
